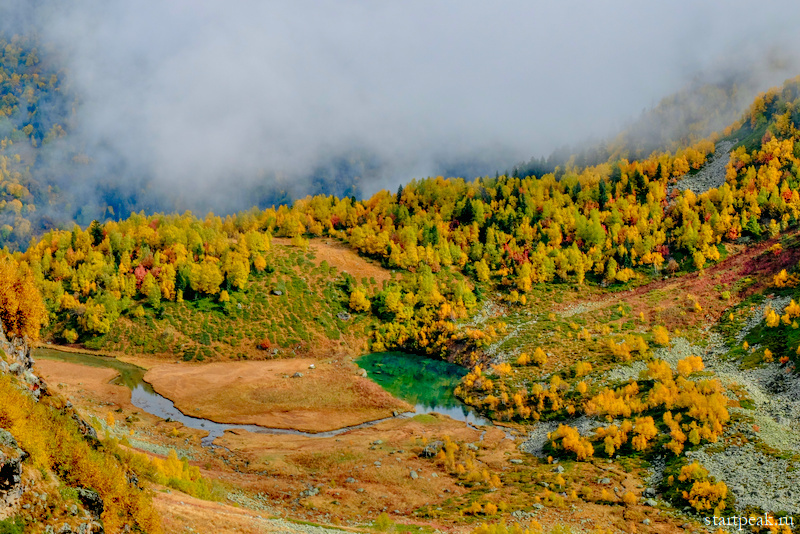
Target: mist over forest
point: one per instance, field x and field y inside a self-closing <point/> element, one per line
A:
<point x="192" y="105"/>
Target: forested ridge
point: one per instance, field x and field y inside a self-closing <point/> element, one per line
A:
<point x="609" y="223"/>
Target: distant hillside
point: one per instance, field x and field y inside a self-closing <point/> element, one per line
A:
<point x="52" y="177"/>
<point x="677" y="121"/>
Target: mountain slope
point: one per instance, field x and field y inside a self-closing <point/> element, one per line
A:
<point x="580" y="302"/>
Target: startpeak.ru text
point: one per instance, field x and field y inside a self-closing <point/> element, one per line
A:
<point x="751" y="521"/>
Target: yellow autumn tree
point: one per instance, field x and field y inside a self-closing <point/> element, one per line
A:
<point x="703" y="495"/>
<point x="771" y="317"/>
<point x="659" y="370"/>
<point x="358" y="300"/>
<point x="661" y="335"/>
<point x="571" y="440"/>
<point x="689" y="365"/>
<point x="22" y="311"/>
<point x="539" y="357"/>
<point x="644" y="430"/>
<point x="206" y="277"/>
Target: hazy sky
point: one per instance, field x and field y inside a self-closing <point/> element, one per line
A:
<point x="201" y="93"/>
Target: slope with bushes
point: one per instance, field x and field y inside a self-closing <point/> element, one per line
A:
<point x="54" y="464"/>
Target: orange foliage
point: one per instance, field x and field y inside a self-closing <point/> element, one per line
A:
<point x="689" y="365"/>
<point x="22" y="311"/>
<point x="571" y="441"/>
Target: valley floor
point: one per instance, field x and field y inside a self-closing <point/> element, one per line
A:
<point x="349" y="480"/>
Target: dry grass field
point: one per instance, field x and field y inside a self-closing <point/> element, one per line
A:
<point x="329" y="397"/>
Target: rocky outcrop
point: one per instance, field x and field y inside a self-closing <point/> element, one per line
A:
<point x="11" y="458"/>
<point x="432" y="449"/>
<point x="17" y="360"/>
<point x="92" y="501"/>
<point x="85" y="428"/>
<point x="21" y="493"/>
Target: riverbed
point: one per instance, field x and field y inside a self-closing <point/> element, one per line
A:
<point x="426" y="384"/>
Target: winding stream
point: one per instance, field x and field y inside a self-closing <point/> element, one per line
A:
<point x="422" y="382"/>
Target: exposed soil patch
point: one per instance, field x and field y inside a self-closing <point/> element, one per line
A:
<point x="357" y="475"/>
<point x="184" y="513"/>
<point x="671" y="301"/>
<point x="343" y="258"/>
<point x="269" y="394"/>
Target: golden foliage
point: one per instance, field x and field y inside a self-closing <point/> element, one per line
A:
<point x="689" y="365"/>
<point x="615" y="403"/>
<point x="571" y="441"/>
<point x="645" y="430"/>
<point x="771" y="317"/>
<point x="582" y="369"/>
<point x="53" y="442"/>
<point x="783" y="279"/>
<point x="613" y="437"/>
<point x="539" y="357"/>
<point x="659" y="370"/>
<point x="22" y="311"/>
<point x="500" y="528"/>
<point x="792" y="310"/>
<point x="661" y="335"/>
<point x="359" y="301"/>
<point x="703" y="495"/>
<point x="502" y="369"/>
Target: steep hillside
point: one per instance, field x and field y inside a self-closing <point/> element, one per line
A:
<point x="55" y="472"/>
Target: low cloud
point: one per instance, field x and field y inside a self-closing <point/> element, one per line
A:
<point x="206" y="100"/>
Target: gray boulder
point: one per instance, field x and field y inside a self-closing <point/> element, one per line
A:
<point x="92" y="501"/>
<point x="432" y="449"/>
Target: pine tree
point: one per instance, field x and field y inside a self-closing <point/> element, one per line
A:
<point x="602" y="194"/>
<point x="96" y="231"/>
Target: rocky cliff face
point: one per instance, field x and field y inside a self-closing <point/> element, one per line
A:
<point x="18" y="361"/>
<point x="11" y="458"/>
<point x="23" y="493"/>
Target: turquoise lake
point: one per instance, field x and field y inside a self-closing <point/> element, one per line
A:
<point x="423" y="382"/>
